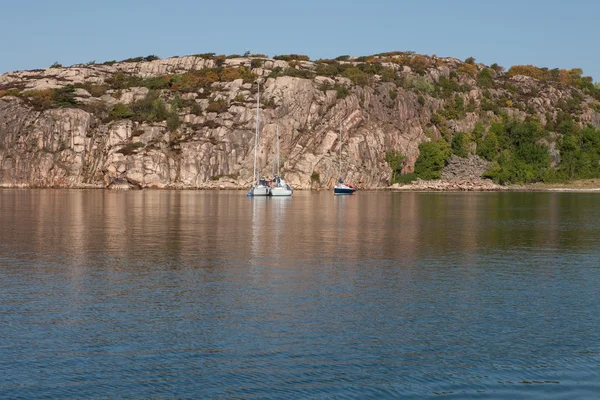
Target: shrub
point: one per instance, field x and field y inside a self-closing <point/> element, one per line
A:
<point x="205" y="55"/>
<point x="432" y="159"/>
<point x="327" y="69"/>
<point x="395" y="160"/>
<point x="219" y="60"/>
<point x="297" y="73"/>
<point x="485" y="78"/>
<point x="497" y="67"/>
<point x="446" y="87"/>
<point x="156" y="83"/>
<point x="356" y="75"/>
<point x="394" y="94"/>
<point x="290" y="57"/>
<point x="173" y="122"/>
<point x="468" y="69"/>
<point x="133" y="59"/>
<point x="217" y="106"/>
<point x="256" y="63"/>
<point x="56" y="64"/>
<point x="418" y="84"/>
<point x="120" y="111"/>
<point x="454" y="109"/>
<point x="388" y="75"/>
<point x="461" y="144"/>
<point x="406" y="178"/>
<point x="342" y="92"/>
<point x="39" y="99"/>
<point x="10" y="92"/>
<point x="65" y="95"/>
<point x="315" y="177"/>
<point x="230" y="74"/>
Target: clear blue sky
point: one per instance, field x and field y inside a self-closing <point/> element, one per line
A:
<point x="551" y="33"/>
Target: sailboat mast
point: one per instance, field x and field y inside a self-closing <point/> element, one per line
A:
<point x="278" y="154"/>
<point x="340" y="167"/>
<point x="256" y="134"/>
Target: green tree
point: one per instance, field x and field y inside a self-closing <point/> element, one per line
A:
<point x="432" y="159"/>
<point x="395" y="159"/>
<point x="461" y="144"/>
<point x="120" y="111"/>
<point x="488" y="148"/>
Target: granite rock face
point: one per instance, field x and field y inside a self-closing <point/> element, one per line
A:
<point x="211" y="144"/>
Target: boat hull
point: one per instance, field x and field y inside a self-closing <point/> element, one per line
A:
<point x="259" y="191"/>
<point x="281" y="192"/>
<point x="343" y="190"/>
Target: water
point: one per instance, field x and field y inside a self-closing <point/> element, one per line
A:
<point x="172" y="294"/>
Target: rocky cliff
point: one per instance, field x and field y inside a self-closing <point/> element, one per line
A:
<point x="189" y="122"/>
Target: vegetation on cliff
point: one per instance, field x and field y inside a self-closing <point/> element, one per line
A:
<point x="531" y="124"/>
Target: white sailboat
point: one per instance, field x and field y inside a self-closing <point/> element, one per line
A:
<point x="341" y="187"/>
<point x="280" y="186"/>
<point x="259" y="187"/>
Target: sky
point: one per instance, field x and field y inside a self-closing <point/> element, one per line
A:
<point x="555" y="34"/>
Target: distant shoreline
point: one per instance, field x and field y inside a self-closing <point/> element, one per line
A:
<point x="582" y="186"/>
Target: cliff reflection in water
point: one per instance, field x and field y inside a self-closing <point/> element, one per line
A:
<point x="213" y="294"/>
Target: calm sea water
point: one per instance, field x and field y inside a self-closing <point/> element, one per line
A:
<point x="185" y="294"/>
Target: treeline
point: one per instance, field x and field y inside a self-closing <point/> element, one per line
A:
<point x="518" y="151"/>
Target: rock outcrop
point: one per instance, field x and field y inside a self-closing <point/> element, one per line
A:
<point x="173" y="125"/>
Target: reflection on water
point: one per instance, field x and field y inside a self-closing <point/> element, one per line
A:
<point x="213" y="294"/>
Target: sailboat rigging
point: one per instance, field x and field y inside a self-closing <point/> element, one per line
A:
<point x="259" y="187"/>
<point x="280" y="186"/>
<point x="341" y="187"/>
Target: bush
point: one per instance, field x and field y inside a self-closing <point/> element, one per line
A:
<point x="120" y="111"/>
<point x="56" y="64"/>
<point x="433" y="157"/>
<point x="230" y="74"/>
<point x="297" y="73"/>
<point x="217" y="106"/>
<point x="461" y="144"/>
<point x="406" y="178"/>
<point x="485" y="78"/>
<point x="342" y="92"/>
<point x="10" y="92"/>
<point x="419" y="85"/>
<point x="156" y="83"/>
<point x="395" y="160"/>
<point x="446" y="87"/>
<point x="256" y="63"/>
<point x="327" y="69"/>
<point x="315" y="177"/>
<point x="488" y="148"/>
<point x="290" y="57"/>
<point x="468" y="69"/>
<point x="133" y="59"/>
<point x="454" y="109"/>
<point x="173" y="122"/>
<point x="356" y="75"/>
